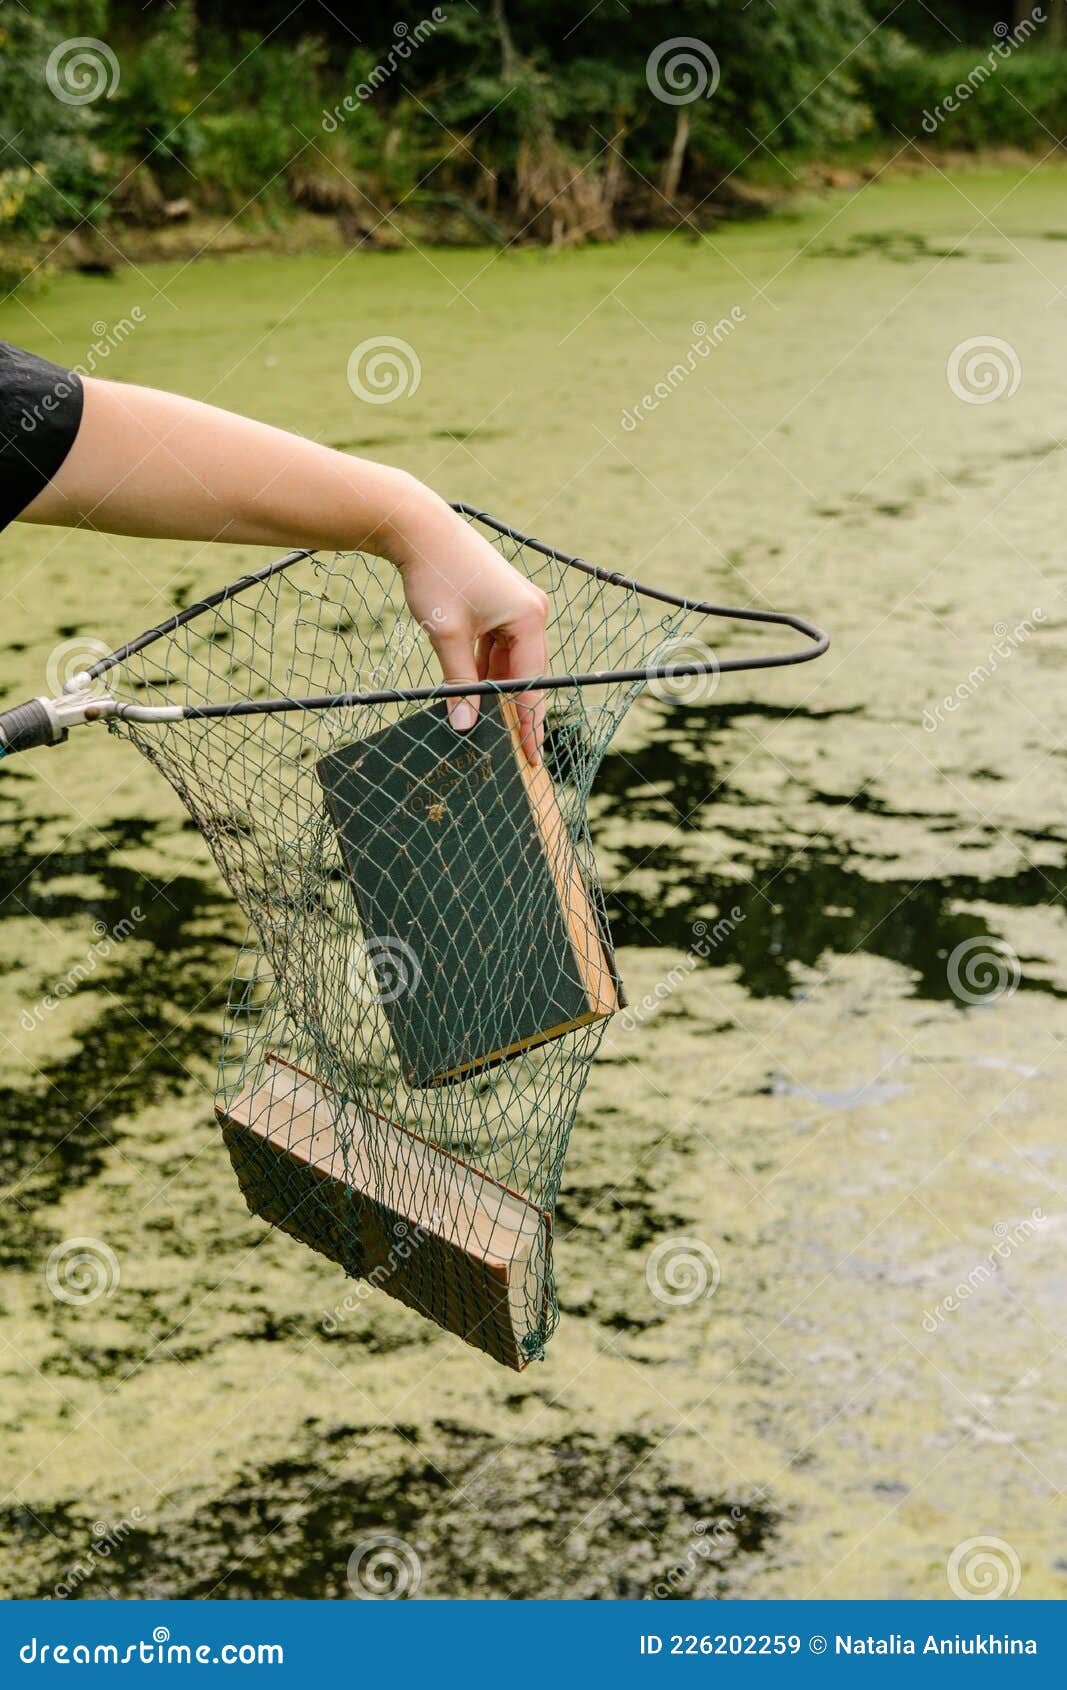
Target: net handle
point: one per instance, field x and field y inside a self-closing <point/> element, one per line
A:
<point x="819" y="643"/>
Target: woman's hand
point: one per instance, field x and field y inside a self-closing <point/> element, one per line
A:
<point x="484" y="619"/>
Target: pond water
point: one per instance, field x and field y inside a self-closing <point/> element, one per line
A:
<point x="849" y="1107"/>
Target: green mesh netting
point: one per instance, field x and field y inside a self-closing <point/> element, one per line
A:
<point x="439" y="1191"/>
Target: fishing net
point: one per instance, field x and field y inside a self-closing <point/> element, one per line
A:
<point x="427" y="973"/>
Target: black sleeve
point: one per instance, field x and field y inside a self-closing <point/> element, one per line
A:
<point x="40" y="412"/>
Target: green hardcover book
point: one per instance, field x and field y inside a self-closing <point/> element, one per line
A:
<point x="474" y="910"/>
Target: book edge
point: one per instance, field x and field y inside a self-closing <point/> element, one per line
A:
<point x="575" y="902"/>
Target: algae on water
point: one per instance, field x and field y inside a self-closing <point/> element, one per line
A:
<point x="807" y="1097"/>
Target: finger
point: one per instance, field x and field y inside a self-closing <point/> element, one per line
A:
<point x="455" y="654"/>
<point x="527" y="654"/>
<point x="498" y="660"/>
<point x="483" y="653"/>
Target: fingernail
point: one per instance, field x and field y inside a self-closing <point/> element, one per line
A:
<point x="461" y="714"/>
<point x="536" y="759"/>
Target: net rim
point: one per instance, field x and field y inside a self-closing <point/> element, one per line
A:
<point x="818" y="638"/>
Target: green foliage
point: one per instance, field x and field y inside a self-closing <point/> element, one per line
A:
<point x="784" y="72"/>
<point x="1011" y="97"/>
<point x="50" y="172"/>
<point x="152" y="116"/>
<point x="269" y="128"/>
<point x="515" y="113"/>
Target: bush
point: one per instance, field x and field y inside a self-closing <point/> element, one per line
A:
<point x="273" y="115"/>
<point x="787" y="72"/>
<point x="1006" y="97"/>
<point x="51" y="173"/>
<point x="152" y="116"/>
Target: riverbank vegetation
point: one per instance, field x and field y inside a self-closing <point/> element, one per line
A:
<point x="163" y="129"/>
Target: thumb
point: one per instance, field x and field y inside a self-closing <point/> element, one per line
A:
<point x="455" y="653"/>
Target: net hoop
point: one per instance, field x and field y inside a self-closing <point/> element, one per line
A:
<point x="818" y="638"/>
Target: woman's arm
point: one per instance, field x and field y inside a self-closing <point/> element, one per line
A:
<point x="160" y="466"/>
